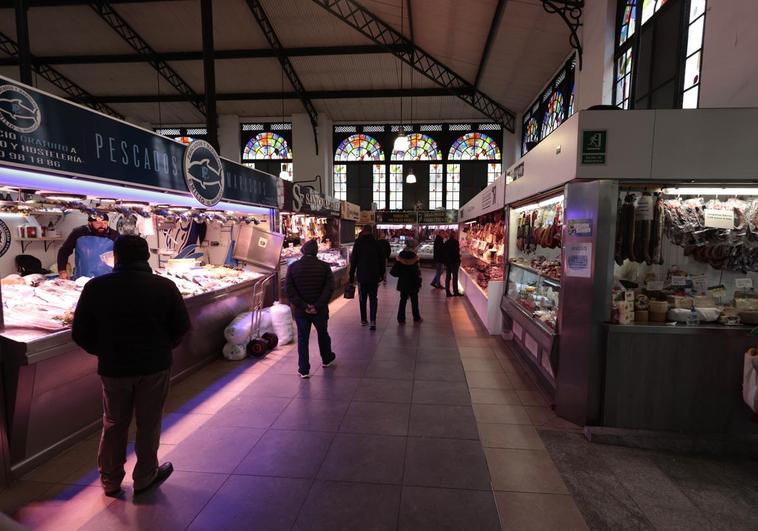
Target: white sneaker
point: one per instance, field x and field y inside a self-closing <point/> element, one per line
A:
<point x="304" y="376"/>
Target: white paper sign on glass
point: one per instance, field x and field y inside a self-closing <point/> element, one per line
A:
<point x="719" y="219"/>
<point x="579" y="260"/>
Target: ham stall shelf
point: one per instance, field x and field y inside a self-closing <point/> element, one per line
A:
<point x="632" y="269"/>
<point x="480" y="234"/>
<point x="60" y="161"/>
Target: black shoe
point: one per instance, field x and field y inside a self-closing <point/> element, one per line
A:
<point x="373" y="326"/>
<point x="364" y="323"/>
<point x="419" y="320"/>
<point x="164" y="471"/>
<point x="448" y="294"/>
<point x="401" y="321"/>
<point x="304" y="375"/>
<point x="114" y="493"/>
<point x="458" y="295"/>
<point x="331" y="362"/>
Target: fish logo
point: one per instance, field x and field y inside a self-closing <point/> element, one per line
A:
<point x="204" y="172"/>
<point x="18" y="110"/>
<point x="5" y="238"/>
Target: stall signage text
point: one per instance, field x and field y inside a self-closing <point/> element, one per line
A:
<point x="305" y="199"/>
<point x="351" y="211"/>
<point x="593" y="147"/>
<point x="45" y="133"/>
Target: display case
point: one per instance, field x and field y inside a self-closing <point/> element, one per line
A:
<point x="536" y="293"/>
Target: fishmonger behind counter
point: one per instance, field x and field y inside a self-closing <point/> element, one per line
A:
<point x="93" y="244"/>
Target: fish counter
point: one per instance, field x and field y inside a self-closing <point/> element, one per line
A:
<point x="53" y="393"/>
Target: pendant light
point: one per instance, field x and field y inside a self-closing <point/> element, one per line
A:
<point x="401" y="142"/>
<point x="411" y="177"/>
<point x="284" y="174"/>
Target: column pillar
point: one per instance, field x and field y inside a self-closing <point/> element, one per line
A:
<point x="229" y="137"/>
<point x="307" y="164"/>
<point x="594" y="85"/>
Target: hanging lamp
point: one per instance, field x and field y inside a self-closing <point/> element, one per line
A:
<point x="401" y="142"/>
<point x="284" y="174"/>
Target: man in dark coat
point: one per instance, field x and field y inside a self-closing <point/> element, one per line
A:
<point x="452" y="253"/>
<point x="90" y="241"/>
<point x="310" y="284"/>
<point x="439" y="258"/>
<point x="369" y="261"/>
<point x="386" y="248"/>
<point x="131" y="319"/>
<point x="408" y="274"/>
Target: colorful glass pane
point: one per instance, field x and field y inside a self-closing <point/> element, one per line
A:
<point x="628" y="21"/>
<point x="571" y="100"/>
<point x="266" y="145"/>
<point x="553" y="114"/>
<point x="651" y="7"/>
<point x="357" y="148"/>
<point x="421" y="147"/>
<point x="187" y="140"/>
<point x="474" y="146"/>
<point x="532" y="133"/>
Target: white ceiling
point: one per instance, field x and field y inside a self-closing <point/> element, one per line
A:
<point x="529" y="46"/>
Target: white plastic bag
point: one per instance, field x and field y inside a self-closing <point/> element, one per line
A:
<point x="281" y="319"/>
<point x="238" y="331"/>
<point x="234" y="352"/>
<point x="750" y="379"/>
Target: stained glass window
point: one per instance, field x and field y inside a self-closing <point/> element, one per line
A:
<point x="453" y="196"/>
<point x="396" y="186"/>
<point x="267" y="145"/>
<point x="553" y="114"/>
<point x="474" y="146"/>
<point x="695" y="29"/>
<point x="185" y="139"/>
<point x="380" y="186"/>
<point x="532" y="133"/>
<point x="624" y="79"/>
<point x="494" y="169"/>
<point x="340" y="181"/>
<point x="435" y="186"/>
<point x="358" y="148"/>
<point x="650" y="8"/>
<point x="571" y="100"/>
<point x="420" y="147"/>
<point x="628" y="21"/>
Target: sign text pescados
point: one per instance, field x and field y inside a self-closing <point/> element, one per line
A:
<point x="45" y="133"/>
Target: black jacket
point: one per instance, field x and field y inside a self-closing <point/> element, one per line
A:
<point x="130" y="319"/>
<point x="407" y="271"/>
<point x="452" y="251"/>
<point x="368" y="259"/>
<point x="386" y="248"/>
<point x="439" y="254"/>
<point x="70" y="244"/>
<point x="309" y="281"/>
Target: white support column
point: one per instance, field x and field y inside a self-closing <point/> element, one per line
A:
<point x="306" y="162"/>
<point x="594" y="85"/>
<point x="229" y="136"/>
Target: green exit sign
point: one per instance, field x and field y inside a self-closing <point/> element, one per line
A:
<point x="593" y="147"/>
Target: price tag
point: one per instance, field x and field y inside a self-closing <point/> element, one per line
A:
<point x="644" y="210"/>
<point x="698" y="282"/>
<point x="655" y="285"/>
<point x="678" y="280"/>
<point x="719" y="219"/>
<point x="743" y="283"/>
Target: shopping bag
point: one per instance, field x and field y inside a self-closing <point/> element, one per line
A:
<point x="350" y="291"/>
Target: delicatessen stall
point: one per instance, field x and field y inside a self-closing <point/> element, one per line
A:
<point x="482" y="241"/>
<point x="420" y="225"/>
<point x="312" y="215"/>
<point x="631" y="271"/>
<point x="188" y="203"/>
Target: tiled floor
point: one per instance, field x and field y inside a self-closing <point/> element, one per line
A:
<point x="430" y="426"/>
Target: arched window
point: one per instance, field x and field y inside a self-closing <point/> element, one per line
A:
<point x="420" y="147"/>
<point x="357" y="148"/>
<point x="553" y="114"/>
<point x="474" y="146"/>
<point x="531" y="133"/>
<point x="267" y="145"/>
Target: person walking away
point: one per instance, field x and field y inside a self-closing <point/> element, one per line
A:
<point x="310" y="284"/>
<point x="368" y="260"/>
<point x="452" y="253"/>
<point x="439" y="258"/>
<point x="131" y="319"/>
<point x="386" y="248"/>
<point x="408" y="274"/>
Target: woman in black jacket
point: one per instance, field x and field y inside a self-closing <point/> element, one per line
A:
<point x="408" y="274"/>
<point x="452" y="250"/>
<point x="439" y="258"/>
<point x="368" y="259"/>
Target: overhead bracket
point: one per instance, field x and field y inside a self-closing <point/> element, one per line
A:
<point x="571" y="12"/>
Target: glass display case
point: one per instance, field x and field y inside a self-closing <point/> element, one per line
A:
<point x="535" y="292"/>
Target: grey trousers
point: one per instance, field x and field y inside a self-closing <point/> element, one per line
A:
<point x="142" y="396"/>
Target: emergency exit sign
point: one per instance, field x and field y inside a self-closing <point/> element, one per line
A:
<point x="593" y="147"/>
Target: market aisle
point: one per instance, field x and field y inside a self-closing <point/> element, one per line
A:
<point x="425" y="426"/>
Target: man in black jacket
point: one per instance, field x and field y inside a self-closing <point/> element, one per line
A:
<point x="452" y="253"/>
<point x="310" y="284"/>
<point x="369" y="260"/>
<point x="131" y="319"/>
<point x="439" y="258"/>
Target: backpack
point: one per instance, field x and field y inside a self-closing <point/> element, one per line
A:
<point x="27" y="264"/>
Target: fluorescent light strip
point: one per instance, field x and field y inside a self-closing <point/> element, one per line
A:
<point x="67" y="185"/>
<point x="541" y="204"/>
<point x="710" y="191"/>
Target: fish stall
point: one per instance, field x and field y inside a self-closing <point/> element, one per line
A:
<point x="632" y="268"/>
<point x="63" y="165"/>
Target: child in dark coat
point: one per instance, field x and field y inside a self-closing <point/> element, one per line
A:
<point x="408" y="274"/>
